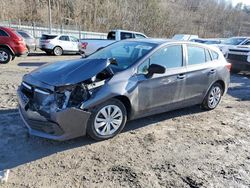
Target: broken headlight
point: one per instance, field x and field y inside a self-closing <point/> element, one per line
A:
<point x="69" y="96"/>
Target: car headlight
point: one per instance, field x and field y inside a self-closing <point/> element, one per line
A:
<point x="72" y="95"/>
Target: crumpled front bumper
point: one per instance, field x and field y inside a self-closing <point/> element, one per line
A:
<point x="63" y="125"/>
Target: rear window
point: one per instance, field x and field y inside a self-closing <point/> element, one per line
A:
<point x="45" y="37"/>
<point x="111" y="35"/>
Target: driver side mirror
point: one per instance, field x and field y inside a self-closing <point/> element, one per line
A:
<point x="155" y="69"/>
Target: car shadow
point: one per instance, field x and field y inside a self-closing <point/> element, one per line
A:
<point x="18" y="147"/>
<point x="31" y="64"/>
<point x="240" y="87"/>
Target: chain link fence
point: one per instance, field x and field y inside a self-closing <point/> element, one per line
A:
<point x="37" y="29"/>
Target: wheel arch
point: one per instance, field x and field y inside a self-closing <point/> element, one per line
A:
<point x="126" y="102"/>
<point x="8" y="48"/>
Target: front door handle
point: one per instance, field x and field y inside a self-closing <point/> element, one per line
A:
<point x="181" y="76"/>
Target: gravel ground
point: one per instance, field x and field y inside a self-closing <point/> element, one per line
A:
<point x="184" y="148"/>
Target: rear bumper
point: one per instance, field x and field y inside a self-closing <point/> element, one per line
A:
<point x="239" y="65"/>
<point x="61" y="125"/>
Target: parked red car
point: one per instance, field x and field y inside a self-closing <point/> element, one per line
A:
<point x="11" y="45"/>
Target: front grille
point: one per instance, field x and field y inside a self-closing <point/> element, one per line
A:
<point x="237" y="57"/>
<point x="237" y="50"/>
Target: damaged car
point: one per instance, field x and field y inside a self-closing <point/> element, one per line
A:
<point x="127" y="80"/>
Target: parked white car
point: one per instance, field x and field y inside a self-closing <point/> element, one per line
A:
<point x="59" y="44"/>
<point x="89" y="46"/>
<point x="232" y="42"/>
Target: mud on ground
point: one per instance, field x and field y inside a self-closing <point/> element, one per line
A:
<point x="184" y="148"/>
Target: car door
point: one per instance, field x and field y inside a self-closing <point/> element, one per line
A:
<point x="74" y="43"/>
<point x="162" y="91"/>
<point x="65" y="43"/>
<point x="200" y="72"/>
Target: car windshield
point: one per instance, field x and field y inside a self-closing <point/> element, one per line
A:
<point x="126" y="53"/>
<point x="212" y="42"/>
<point x="234" y="41"/>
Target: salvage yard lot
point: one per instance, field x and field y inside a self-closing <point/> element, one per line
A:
<point x="184" y="148"/>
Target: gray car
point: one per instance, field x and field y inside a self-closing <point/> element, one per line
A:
<point x="29" y="40"/>
<point x="127" y="80"/>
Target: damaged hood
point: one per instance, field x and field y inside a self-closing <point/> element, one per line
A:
<point x="68" y="72"/>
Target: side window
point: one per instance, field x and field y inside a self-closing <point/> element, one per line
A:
<point x="196" y="55"/>
<point x="208" y="56"/>
<point x="215" y="55"/>
<point x="247" y="43"/>
<point x="3" y="33"/>
<point x="64" y="38"/>
<point x="139" y="36"/>
<point x="169" y="57"/>
<point x="126" y="35"/>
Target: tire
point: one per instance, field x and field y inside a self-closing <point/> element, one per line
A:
<point x="58" y="51"/>
<point x="5" y="56"/>
<point x="98" y="129"/>
<point x="48" y="52"/>
<point x="213" y="97"/>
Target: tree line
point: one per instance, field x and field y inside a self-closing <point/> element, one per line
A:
<point x="156" y="18"/>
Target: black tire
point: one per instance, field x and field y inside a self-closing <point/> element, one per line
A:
<point x="206" y="104"/>
<point x="58" y="51"/>
<point x="91" y="130"/>
<point x="5" y="56"/>
<point x="48" y="52"/>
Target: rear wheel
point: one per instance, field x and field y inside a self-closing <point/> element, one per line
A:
<point x="107" y="120"/>
<point x="58" y="51"/>
<point x="213" y="97"/>
<point x="5" y="56"/>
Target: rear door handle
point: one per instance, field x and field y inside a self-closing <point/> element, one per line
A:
<point x="181" y="76"/>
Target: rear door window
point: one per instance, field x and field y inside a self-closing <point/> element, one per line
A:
<point x="208" y="56"/>
<point x="196" y="55"/>
<point x="125" y="35"/>
<point x="3" y="33"/>
<point x="64" y="38"/>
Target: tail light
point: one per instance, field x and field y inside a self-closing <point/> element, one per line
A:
<point x="84" y="45"/>
<point x="46" y="41"/>
<point x="229" y="66"/>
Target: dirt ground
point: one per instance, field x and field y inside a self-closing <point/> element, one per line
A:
<point x="184" y="148"/>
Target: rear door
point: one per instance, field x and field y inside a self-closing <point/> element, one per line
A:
<point x="162" y="90"/>
<point x="200" y="72"/>
<point x="65" y="42"/>
<point x="74" y="43"/>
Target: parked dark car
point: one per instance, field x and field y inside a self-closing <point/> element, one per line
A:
<point x="29" y="40"/>
<point x="126" y="80"/>
<point x="239" y="57"/>
<point x="11" y="45"/>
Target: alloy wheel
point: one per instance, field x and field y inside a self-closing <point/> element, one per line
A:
<point x="3" y="56"/>
<point x="214" y="97"/>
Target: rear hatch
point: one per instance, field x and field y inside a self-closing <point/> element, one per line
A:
<point x="45" y="39"/>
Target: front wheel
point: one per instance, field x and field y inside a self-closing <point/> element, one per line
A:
<point x="107" y="120"/>
<point x="213" y="97"/>
<point x="5" y="56"/>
